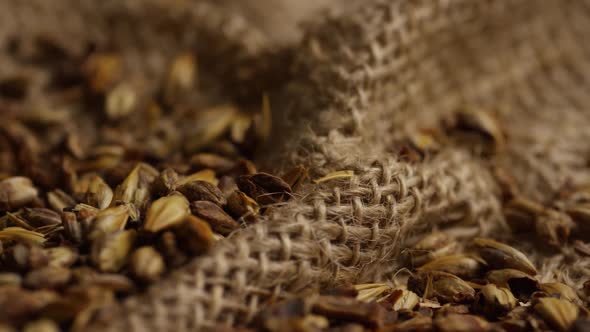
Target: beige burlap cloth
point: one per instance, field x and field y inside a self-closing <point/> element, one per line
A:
<point x="361" y="81"/>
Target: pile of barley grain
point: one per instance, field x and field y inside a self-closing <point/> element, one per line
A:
<point x="488" y="287"/>
<point x="106" y="188"/>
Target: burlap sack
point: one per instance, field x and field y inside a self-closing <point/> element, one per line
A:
<point x="362" y="82"/>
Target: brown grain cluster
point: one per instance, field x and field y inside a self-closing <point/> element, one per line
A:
<point x="109" y="186"/>
<point x="490" y="286"/>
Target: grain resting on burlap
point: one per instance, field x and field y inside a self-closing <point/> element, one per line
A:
<point x="362" y="81"/>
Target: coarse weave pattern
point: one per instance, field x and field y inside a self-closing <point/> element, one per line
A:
<point x="364" y="80"/>
<point x="342" y="233"/>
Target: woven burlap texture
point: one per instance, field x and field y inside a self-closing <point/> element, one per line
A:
<point x="362" y="81"/>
